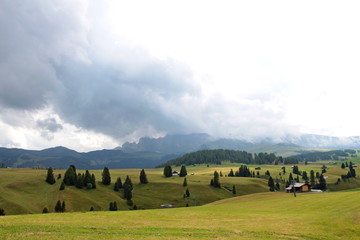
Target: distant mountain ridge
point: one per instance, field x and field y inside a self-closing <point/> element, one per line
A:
<point x="150" y="152"/>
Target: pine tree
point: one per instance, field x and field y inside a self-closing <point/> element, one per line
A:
<point x="187" y="193"/>
<point x="216" y="180"/>
<point x="277" y="186"/>
<point x="231" y="173"/>
<point x="118" y="184"/>
<point x="342" y="165"/>
<point x="271" y="184"/>
<point x="111" y="206"/>
<point x="128" y="187"/>
<point x="50" y="176"/>
<point x="352" y="171"/>
<point x="2" y="212"/>
<point x="91" y="209"/>
<point x="45" y="210"/>
<point x="143" y="177"/>
<point x="290" y="177"/>
<point x="115" y="208"/>
<point x="93" y="181"/>
<point x="322" y="182"/>
<point x="185" y="182"/>
<point x="233" y="190"/>
<point x="70" y="176"/>
<point x="58" y="206"/>
<point x="167" y="171"/>
<point x="79" y="181"/>
<point x="106" y="179"/>
<point x="62" y="186"/>
<point x="312" y="178"/>
<point x="87" y="178"/>
<point x="183" y="171"/>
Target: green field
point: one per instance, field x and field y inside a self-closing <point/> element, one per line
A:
<point x="257" y="216"/>
<point x="253" y="213"/>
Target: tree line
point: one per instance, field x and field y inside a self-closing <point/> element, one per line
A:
<point x="218" y="156"/>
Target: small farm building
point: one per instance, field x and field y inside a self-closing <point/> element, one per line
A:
<point x="299" y="187"/>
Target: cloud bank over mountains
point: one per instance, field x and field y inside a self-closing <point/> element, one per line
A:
<point x="68" y="77"/>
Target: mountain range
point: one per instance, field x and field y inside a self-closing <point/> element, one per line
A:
<point x="150" y="152"/>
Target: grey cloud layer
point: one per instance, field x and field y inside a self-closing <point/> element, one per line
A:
<point x="53" y="54"/>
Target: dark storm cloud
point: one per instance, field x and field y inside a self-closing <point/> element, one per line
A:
<point x="34" y="35"/>
<point x="46" y="60"/>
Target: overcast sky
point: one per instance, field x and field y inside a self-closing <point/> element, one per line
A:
<point x="92" y="74"/>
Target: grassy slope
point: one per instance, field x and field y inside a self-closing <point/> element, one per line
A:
<point x="257" y="216"/>
<point x="25" y="191"/>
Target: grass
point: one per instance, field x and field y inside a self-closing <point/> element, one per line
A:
<point x="256" y="216"/>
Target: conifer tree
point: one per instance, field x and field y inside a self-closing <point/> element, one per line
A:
<point x="271" y="184"/>
<point x="231" y="173"/>
<point x="111" y="206"/>
<point x="143" y="177"/>
<point x="45" y="210"/>
<point x="70" y="176"/>
<point x="79" y="181"/>
<point x="115" y="208"/>
<point x="290" y="177"/>
<point x="185" y="182"/>
<point x="50" y="176"/>
<point x="312" y="178"/>
<point x="58" y="206"/>
<point x="91" y="209"/>
<point x="322" y="182"/>
<point x="216" y="180"/>
<point x="183" y="171"/>
<point x="62" y="186"/>
<point x="342" y="165"/>
<point x="117" y="184"/>
<point x="128" y="187"/>
<point x="187" y="193"/>
<point x="2" y="212"/>
<point x="106" y="179"/>
<point x="87" y="178"/>
<point x="167" y="171"/>
<point x="93" y="181"/>
<point x="233" y="190"/>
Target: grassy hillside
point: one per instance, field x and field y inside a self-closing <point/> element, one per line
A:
<point x="333" y="215"/>
<point x="25" y="190"/>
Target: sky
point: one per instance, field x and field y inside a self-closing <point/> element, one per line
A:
<point x="94" y="74"/>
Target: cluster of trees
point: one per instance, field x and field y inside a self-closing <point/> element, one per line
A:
<point x="168" y="172"/>
<point x="219" y="155"/>
<point x="113" y="206"/>
<point x="85" y="180"/>
<point x="243" y="171"/>
<point x="350" y="174"/>
<point x="59" y="207"/>
<point x="321" y="156"/>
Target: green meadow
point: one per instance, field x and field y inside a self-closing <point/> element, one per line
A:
<point x="213" y="213"/>
<point x="334" y="215"/>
